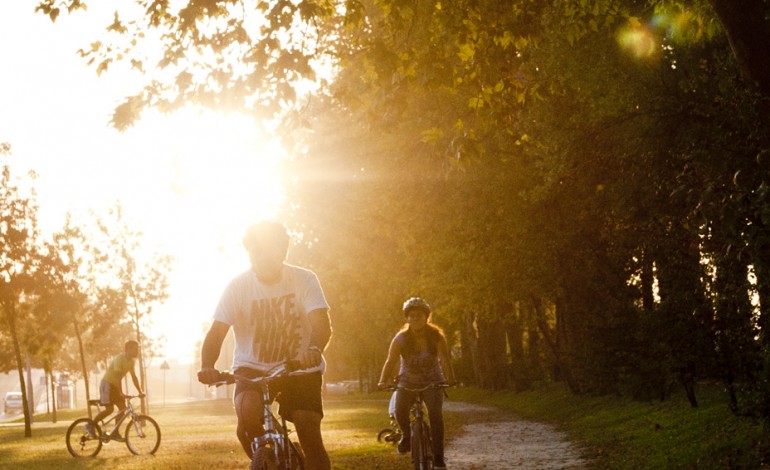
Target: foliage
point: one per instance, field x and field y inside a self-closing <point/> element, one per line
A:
<point x="68" y="303"/>
<point x="581" y="184"/>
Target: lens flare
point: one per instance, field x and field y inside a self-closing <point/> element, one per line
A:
<point x="645" y="39"/>
<point x="638" y="39"/>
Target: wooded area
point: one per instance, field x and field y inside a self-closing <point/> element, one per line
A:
<point x="579" y="187"/>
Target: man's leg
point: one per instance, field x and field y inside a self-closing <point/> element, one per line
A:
<point x="248" y="408"/>
<point x="104" y="413"/>
<point x="121" y="404"/>
<point x="106" y="397"/>
<point x="308" y="426"/>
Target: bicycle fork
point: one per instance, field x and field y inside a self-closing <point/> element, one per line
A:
<point x="274" y="436"/>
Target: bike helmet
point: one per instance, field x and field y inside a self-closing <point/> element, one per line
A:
<point x="416" y="303"/>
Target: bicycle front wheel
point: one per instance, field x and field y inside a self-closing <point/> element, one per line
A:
<point x="384" y="436"/>
<point x="264" y="459"/>
<point x="142" y="435"/>
<point x="296" y="456"/>
<point x="79" y="442"/>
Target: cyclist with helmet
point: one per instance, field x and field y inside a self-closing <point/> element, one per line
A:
<point x="421" y="353"/>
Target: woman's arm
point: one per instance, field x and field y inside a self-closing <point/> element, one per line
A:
<point x="388" y="370"/>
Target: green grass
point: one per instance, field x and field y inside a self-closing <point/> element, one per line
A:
<point x="201" y="435"/>
<point x="613" y="433"/>
<point x="616" y="433"/>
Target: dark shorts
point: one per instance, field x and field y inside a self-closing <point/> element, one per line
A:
<point x="110" y="394"/>
<point x="298" y="392"/>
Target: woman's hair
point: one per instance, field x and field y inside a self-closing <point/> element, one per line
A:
<point x="433" y="333"/>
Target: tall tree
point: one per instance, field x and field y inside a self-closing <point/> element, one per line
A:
<point x="19" y="261"/>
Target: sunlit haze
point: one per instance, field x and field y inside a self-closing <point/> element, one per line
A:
<point x="190" y="181"/>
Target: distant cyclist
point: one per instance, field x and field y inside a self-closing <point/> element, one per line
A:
<point x="420" y="350"/>
<point x="110" y="390"/>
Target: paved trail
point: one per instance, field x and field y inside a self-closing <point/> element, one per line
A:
<point x="496" y="440"/>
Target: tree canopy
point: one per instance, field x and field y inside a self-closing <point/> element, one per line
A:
<point x="579" y="186"/>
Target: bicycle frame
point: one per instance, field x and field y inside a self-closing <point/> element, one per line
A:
<point x="118" y="420"/>
<point x="276" y="435"/>
<point x="422" y="447"/>
<point x="85" y="438"/>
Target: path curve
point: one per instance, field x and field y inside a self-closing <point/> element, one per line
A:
<point x="493" y="439"/>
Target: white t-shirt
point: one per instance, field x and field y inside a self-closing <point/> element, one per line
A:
<point x="270" y="322"/>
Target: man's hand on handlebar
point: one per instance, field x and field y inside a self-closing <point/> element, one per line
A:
<point x="308" y="358"/>
<point x="208" y="375"/>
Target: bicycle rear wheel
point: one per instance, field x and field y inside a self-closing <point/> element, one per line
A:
<point x="264" y="459"/>
<point x="142" y="435"/>
<point x="79" y="442"/>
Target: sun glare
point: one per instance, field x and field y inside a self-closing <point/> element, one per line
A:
<point x="204" y="177"/>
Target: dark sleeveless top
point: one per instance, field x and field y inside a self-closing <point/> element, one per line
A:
<point x="418" y="369"/>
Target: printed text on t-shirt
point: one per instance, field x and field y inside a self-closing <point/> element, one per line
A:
<point x="276" y="325"/>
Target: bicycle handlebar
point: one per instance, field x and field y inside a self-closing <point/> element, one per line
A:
<point x="393" y="388"/>
<point x="285" y="368"/>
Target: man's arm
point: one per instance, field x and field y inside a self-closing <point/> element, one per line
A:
<point x="136" y="382"/>
<point x="212" y="345"/>
<point x="321" y="332"/>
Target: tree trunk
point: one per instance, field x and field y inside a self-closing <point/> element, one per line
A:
<point x="82" y="353"/>
<point x="491" y="348"/>
<point x="748" y="32"/>
<point x="471" y="345"/>
<point x="648" y="281"/>
<point x="142" y="373"/>
<point x="53" y="395"/>
<point x="514" y="332"/>
<point x="10" y="314"/>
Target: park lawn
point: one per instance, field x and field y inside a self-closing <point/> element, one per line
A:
<point x="201" y="435"/>
<point x="618" y="433"/>
<point x="612" y="433"/>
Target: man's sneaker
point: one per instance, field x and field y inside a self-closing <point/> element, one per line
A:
<point x="438" y="464"/>
<point x="403" y="447"/>
<point x="115" y="436"/>
<point x="90" y="430"/>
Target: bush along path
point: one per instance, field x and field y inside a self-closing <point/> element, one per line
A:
<point x="493" y="439"/>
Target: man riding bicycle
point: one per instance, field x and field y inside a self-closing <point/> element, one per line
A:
<point x="110" y="393"/>
<point x="277" y="312"/>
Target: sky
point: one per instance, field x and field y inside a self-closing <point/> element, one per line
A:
<point x="190" y="182"/>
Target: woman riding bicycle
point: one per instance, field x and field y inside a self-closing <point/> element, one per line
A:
<point x="423" y="354"/>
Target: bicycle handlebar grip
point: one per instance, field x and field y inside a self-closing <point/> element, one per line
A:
<point x="226" y="377"/>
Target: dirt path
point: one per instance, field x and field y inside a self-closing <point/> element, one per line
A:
<point x="495" y="440"/>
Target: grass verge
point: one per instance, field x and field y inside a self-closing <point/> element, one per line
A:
<point x="613" y="433"/>
<point x="616" y="433"/>
<point x="201" y="435"/>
